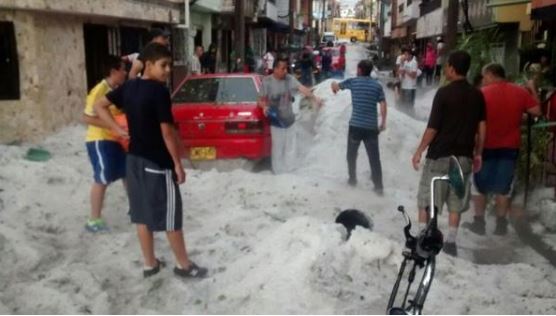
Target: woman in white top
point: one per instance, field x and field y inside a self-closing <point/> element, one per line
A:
<point x="268" y="62"/>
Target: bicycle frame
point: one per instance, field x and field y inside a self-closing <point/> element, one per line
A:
<point x="421" y="253"/>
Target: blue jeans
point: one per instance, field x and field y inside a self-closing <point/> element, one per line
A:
<point x="369" y="137"/>
<point x="497" y="173"/>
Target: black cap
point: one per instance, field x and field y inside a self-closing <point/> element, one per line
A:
<point x="156" y="32"/>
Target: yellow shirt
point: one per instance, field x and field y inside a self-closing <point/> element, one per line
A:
<point x="95" y="133"/>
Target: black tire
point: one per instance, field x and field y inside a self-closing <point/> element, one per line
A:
<point x="353" y="39"/>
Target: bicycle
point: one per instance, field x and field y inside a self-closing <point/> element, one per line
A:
<point x="422" y="250"/>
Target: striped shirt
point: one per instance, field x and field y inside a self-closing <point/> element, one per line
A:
<point x="365" y="94"/>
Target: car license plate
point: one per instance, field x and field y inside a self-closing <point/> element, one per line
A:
<point x="202" y="153"/>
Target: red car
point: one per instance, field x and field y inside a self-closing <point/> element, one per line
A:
<point x="218" y="117"/>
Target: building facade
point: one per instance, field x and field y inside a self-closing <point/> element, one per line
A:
<point x="52" y="51"/>
<point x="55" y="49"/>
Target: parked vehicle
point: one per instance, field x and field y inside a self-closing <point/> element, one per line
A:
<point x="218" y="117"/>
<point x="354" y="30"/>
<point x="329" y="37"/>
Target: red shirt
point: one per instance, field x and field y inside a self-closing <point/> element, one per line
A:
<point x="505" y="105"/>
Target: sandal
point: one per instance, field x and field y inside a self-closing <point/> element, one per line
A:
<point x="152" y="271"/>
<point x="193" y="271"/>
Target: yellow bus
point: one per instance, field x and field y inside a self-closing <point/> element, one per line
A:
<point x="352" y="29"/>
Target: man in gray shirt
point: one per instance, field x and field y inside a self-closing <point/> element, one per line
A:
<point x="276" y="100"/>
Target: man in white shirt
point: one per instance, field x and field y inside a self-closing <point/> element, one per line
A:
<point x="408" y="73"/>
<point x="399" y="60"/>
<point x="268" y="60"/>
<point x="440" y="59"/>
<point x="196" y="61"/>
<point x="397" y="81"/>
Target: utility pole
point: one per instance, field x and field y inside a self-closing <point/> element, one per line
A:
<point x="310" y="22"/>
<point x="292" y="21"/>
<point x="452" y="25"/>
<point x="240" y="31"/>
<point x="323" y="16"/>
<point x="371" y="25"/>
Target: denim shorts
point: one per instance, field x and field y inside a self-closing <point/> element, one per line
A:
<point x="108" y="159"/>
<point x="497" y="173"/>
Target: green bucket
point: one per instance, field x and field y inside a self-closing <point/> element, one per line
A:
<point x="37" y="154"/>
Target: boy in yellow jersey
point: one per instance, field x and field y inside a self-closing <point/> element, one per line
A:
<point x="106" y="155"/>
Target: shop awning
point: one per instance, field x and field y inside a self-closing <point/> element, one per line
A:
<point x="271" y="25"/>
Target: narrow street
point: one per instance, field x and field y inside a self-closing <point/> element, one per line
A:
<point x="270" y="241"/>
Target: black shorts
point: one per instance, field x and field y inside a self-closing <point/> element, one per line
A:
<point x="154" y="196"/>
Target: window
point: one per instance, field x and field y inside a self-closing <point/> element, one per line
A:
<point x="217" y="90"/>
<point x="361" y="26"/>
<point x="9" y="65"/>
<point x="408" y="2"/>
<point x="400" y="8"/>
<point x="114" y="41"/>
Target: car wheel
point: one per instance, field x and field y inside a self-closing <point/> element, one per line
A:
<point x="260" y="165"/>
<point x="353" y="39"/>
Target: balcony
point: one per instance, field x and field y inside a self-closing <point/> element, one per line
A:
<point x="270" y="11"/>
<point x="428" y="6"/>
<point x="409" y="13"/>
<point x="228" y="7"/>
<point x="208" y="6"/>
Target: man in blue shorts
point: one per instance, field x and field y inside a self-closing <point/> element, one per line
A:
<point x="505" y="105"/>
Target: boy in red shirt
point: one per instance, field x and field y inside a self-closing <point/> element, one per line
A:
<point x="505" y="105"/>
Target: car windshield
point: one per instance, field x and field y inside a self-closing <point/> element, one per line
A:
<point x="328" y="38"/>
<point x="217" y="90"/>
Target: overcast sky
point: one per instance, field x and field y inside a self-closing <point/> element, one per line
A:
<point x="349" y="2"/>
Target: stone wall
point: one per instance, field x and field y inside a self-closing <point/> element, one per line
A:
<point x="53" y="81"/>
<point x="154" y="10"/>
<point x="52" y="70"/>
<point x="61" y="70"/>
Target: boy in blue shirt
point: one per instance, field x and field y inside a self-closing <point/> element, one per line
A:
<point x="154" y="168"/>
<point x="366" y="93"/>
